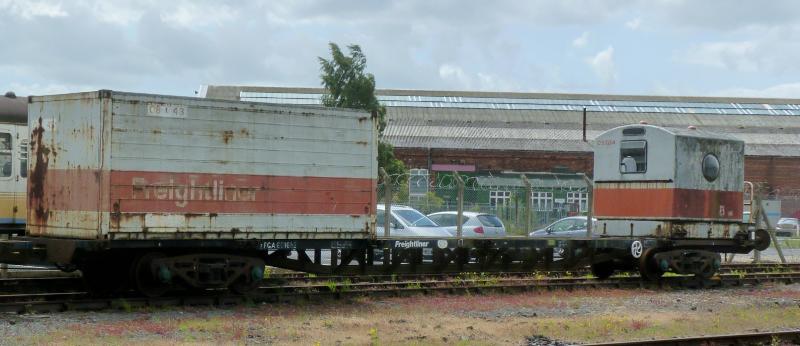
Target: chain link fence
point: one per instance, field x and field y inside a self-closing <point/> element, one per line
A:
<point x="508" y="197"/>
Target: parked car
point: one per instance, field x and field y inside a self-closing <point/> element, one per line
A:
<point x="408" y="222"/>
<point x="473" y="224"/>
<point x="568" y="227"/>
<point x="788" y="227"/>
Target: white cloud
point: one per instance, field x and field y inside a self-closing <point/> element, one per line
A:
<point x="740" y="56"/>
<point x="634" y="24"/>
<point x="755" y="50"/>
<point x="192" y="14"/>
<point x="454" y="73"/>
<point x="47" y="89"/>
<point x="456" y="78"/>
<point x="32" y="9"/>
<point x="116" y="12"/>
<point x="786" y="90"/>
<point x="582" y="40"/>
<point x="602" y="64"/>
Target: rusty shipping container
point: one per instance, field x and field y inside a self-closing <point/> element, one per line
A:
<point x="113" y="165"/>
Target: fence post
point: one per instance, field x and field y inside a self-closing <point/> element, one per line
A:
<point x="770" y="230"/>
<point x="589" y="205"/>
<point x="528" y="203"/>
<point x="387" y="202"/>
<point x="460" y="213"/>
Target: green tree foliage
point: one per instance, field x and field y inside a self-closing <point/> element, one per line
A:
<point x="348" y="86"/>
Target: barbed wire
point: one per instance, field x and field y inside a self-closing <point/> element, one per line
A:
<point x="487" y="182"/>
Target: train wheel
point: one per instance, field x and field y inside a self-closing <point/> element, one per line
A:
<point x="250" y="284"/>
<point x="603" y="270"/>
<point x="146" y="279"/>
<point x="648" y="267"/>
<point x="762" y="240"/>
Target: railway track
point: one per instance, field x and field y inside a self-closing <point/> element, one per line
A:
<point x="791" y="337"/>
<point x="79" y="300"/>
<point x="38" y="282"/>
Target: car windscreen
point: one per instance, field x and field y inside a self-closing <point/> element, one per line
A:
<point x="490" y="221"/>
<point x="787" y="221"/>
<point x="415" y="218"/>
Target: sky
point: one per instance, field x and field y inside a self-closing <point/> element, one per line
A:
<point x="638" y="47"/>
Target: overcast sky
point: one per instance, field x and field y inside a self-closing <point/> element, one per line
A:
<point x="651" y="47"/>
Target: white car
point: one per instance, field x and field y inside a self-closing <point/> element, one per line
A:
<point x="473" y="224"/>
<point x="408" y="222"/>
<point x="788" y="226"/>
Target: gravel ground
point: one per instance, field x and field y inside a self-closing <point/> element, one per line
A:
<point x="512" y="319"/>
<point x="670" y="301"/>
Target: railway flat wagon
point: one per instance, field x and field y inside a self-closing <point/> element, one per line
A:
<point x="146" y="170"/>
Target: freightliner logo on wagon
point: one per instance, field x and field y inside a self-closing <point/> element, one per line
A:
<point x="411" y="244"/>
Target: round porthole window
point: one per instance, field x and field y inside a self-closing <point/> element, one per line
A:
<point x="711" y="167"/>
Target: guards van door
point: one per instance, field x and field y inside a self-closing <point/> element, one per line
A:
<point x="20" y="173"/>
<point x="7" y="178"/>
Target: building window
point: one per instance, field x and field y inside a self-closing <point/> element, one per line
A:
<point x="542" y="201"/>
<point x="499" y="198"/>
<point x="418" y="182"/>
<point x="578" y="197"/>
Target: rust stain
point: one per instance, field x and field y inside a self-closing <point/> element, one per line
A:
<point x="156" y="131"/>
<point x="361" y="142"/>
<point x="115" y="216"/>
<point x="37" y="176"/>
<point x="227" y="135"/>
<point x="245" y="132"/>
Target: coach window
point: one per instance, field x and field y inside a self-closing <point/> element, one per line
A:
<point x="23" y="158"/>
<point x="5" y="155"/>
<point x="633" y="157"/>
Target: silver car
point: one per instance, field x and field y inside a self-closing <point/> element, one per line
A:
<point x="788" y="227"/>
<point x="474" y="224"/>
<point x="408" y="222"/>
<point x="568" y="227"/>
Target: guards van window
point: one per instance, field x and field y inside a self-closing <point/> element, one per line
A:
<point x="5" y="155"/>
<point x="633" y="157"/>
<point x="23" y="158"/>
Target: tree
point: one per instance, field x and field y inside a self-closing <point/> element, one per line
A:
<point x="348" y="86"/>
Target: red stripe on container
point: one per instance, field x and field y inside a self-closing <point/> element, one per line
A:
<point x="166" y="192"/>
<point x="668" y="203"/>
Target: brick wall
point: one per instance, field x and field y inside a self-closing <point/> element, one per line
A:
<point x="778" y="173"/>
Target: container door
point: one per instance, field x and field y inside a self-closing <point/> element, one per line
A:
<point x="21" y="172"/>
<point x="7" y="177"/>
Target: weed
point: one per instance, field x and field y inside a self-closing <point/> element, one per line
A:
<point x="414" y="285"/>
<point x="331" y="285"/>
<point x="125" y="305"/>
<point x="345" y="285"/>
<point x="373" y="337"/>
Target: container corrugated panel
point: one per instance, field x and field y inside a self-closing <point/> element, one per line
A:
<point x="110" y="165"/>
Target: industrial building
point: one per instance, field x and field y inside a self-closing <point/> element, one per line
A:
<point x="496" y="132"/>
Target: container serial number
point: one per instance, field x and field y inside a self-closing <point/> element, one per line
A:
<point x="166" y="110"/>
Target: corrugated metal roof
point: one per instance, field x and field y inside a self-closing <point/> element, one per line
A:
<point x="444" y="125"/>
<point x="537" y="181"/>
<point x="532" y="130"/>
